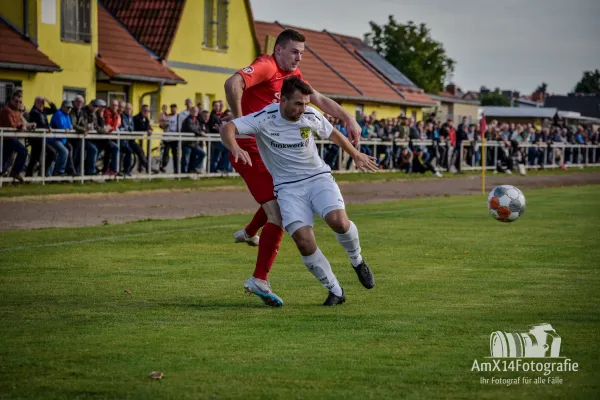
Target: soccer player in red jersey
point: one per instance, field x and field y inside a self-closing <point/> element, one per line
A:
<point x="250" y="90"/>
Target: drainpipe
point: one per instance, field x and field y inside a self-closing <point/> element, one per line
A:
<point x="26" y="18"/>
<point x="157" y="91"/>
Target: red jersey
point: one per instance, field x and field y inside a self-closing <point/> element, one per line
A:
<point x="263" y="79"/>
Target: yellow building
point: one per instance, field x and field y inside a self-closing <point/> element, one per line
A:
<point x="204" y="42"/>
<point x="61" y="33"/>
<point x="62" y="48"/>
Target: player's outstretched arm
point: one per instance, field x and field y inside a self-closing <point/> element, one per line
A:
<point x="234" y="88"/>
<point x="332" y="108"/>
<point x="363" y="162"/>
<point x="228" y="132"/>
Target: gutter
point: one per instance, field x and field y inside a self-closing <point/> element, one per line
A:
<point x="376" y="100"/>
<point x="157" y="91"/>
<point x="29" y="67"/>
<point x="141" y="78"/>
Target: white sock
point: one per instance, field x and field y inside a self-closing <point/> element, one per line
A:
<point x="351" y="244"/>
<point x="318" y="265"/>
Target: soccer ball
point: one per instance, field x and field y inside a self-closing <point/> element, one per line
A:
<point x="506" y="203"/>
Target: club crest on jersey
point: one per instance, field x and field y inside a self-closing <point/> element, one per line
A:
<point x="305" y="133"/>
<point x="248" y="70"/>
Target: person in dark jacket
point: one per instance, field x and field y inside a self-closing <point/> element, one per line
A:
<point x="193" y="155"/>
<point x="141" y="123"/>
<point x="39" y="115"/>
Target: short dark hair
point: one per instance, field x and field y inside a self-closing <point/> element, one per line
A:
<point x="289" y="35"/>
<point x="293" y="84"/>
<point x="173" y="105"/>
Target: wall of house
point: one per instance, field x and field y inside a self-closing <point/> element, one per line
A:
<point x="188" y="43"/>
<point x="206" y="86"/>
<point x="465" y="110"/>
<point x="77" y="60"/>
<point x="383" y="110"/>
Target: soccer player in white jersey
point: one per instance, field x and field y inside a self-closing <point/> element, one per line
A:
<point x="303" y="182"/>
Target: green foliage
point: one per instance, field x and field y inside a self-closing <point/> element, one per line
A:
<point x="589" y="83"/>
<point x="412" y="50"/>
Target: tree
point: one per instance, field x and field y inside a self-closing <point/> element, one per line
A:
<point x="494" y="98"/>
<point x="589" y="83"/>
<point x="542" y="88"/>
<point x="411" y="50"/>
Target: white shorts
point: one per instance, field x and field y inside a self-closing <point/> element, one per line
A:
<point x="299" y="201"/>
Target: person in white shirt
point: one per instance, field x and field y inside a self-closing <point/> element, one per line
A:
<point x="303" y="181"/>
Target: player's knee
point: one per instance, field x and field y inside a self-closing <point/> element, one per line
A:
<point x="338" y="221"/>
<point x="305" y="241"/>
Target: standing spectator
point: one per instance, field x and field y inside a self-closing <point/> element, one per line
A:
<point x="461" y="136"/>
<point x="126" y="127"/>
<point x="80" y="120"/>
<point x="112" y="119"/>
<point x="171" y="145"/>
<point x="193" y="155"/>
<point x="39" y="115"/>
<point x="449" y="135"/>
<point x="163" y="118"/>
<point x="61" y="120"/>
<point x="141" y="123"/>
<point x="184" y="114"/>
<point x="90" y="116"/>
<point x="219" y="155"/>
<point x="107" y="120"/>
<point x="10" y="117"/>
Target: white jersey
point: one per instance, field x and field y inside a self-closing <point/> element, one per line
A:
<point x="287" y="148"/>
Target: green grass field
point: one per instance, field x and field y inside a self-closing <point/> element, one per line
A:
<point x="448" y="275"/>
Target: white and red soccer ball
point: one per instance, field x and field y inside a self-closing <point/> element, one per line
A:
<point x="506" y="203"/>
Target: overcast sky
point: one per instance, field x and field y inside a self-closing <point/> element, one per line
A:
<point x="511" y="44"/>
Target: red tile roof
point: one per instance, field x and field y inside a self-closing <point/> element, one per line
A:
<point x="331" y="65"/>
<point x="17" y="52"/>
<point x="121" y="56"/>
<point x="153" y="22"/>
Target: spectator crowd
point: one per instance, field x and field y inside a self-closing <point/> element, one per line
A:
<point x="109" y="156"/>
<point x="416" y="146"/>
<point x="511" y="147"/>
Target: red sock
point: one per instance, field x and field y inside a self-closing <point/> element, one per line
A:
<point x="258" y="221"/>
<point x="268" y="246"/>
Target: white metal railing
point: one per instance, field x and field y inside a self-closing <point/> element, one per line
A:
<point x="586" y="155"/>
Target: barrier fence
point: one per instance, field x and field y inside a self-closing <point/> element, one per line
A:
<point x="536" y="155"/>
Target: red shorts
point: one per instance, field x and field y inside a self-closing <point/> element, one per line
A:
<point x="257" y="177"/>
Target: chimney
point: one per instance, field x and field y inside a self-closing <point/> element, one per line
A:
<point x="451" y="89"/>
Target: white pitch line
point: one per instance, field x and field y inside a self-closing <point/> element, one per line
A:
<point x="405" y="210"/>
<point x="35" y="246"/>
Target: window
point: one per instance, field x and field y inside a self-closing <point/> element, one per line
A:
<point x="71" y="93"/>
<point x="215" y="24"/>
<point x="154" y="108"/>
<point x="75" y="21"/>
<point x="359" y="110"/>
<point x="7" y="88"/>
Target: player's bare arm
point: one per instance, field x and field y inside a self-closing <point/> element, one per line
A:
<point x="330" y="107"/>
<point x="363" y="162"/>
<point x="234" y="87"/>
<point x="228" y="132"/>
